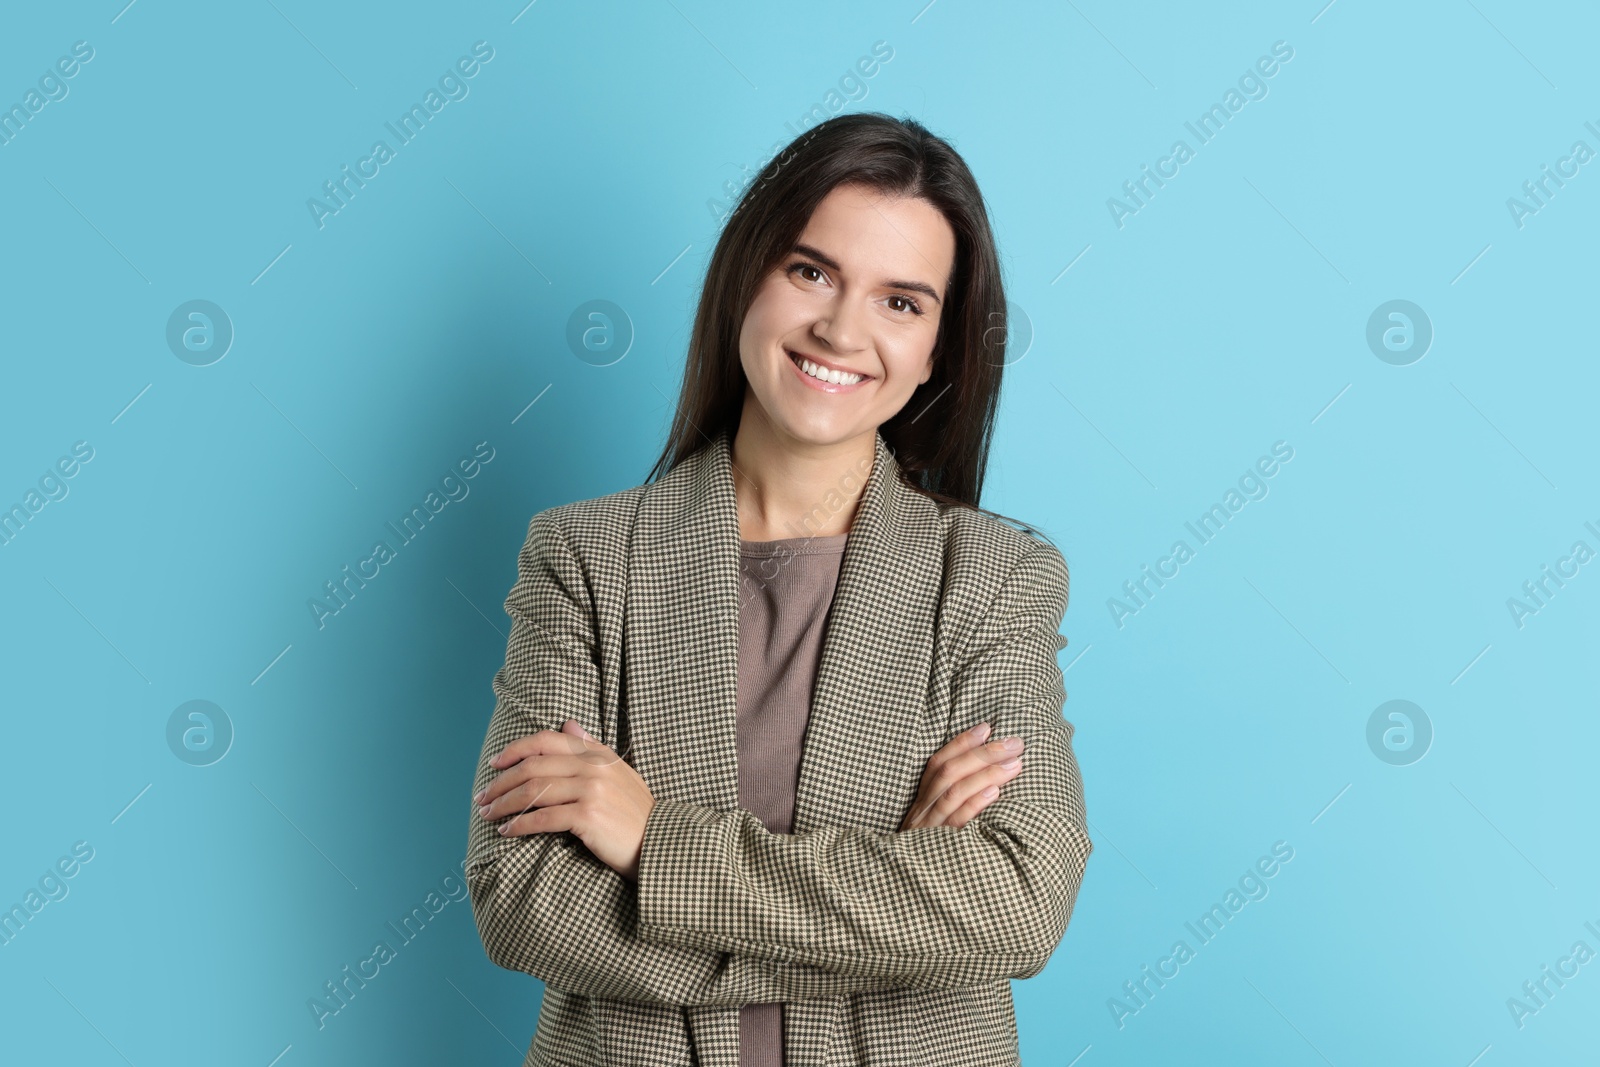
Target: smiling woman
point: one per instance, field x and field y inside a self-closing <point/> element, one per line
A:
<point x="852" y="313"/>
<point x="777" y="770"/>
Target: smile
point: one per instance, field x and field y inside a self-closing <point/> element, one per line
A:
<point x="819" y="377"/>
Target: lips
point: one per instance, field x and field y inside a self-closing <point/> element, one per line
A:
<point x="795" y="357"/>
<point x="817" y="383"/>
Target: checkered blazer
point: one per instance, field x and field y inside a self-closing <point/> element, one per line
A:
<point x="888" y="947"/>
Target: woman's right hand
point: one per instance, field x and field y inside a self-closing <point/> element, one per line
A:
<point x="962" y="779"/>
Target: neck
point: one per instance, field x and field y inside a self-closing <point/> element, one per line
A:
<point x="789" y="488"/>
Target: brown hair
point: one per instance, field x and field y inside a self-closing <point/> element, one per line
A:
<point x="941" y="436"/>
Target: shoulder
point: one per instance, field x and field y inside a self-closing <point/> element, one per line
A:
<point x="601" y="528"/>
<point x="994" y="570"/>
<point x="592" y="525"/>
<point x="991" y="550"/>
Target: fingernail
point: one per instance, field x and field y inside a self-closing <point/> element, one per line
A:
<point x="989" y="792"/>
<point x="484" y="811"/>
<point x="1011" y="764"/>
<point x="981" y="731"/>
<point x="1013" y="744"/>
<point x="481" y="794"/>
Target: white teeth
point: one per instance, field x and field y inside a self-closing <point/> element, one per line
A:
<point x="831" y="376"/>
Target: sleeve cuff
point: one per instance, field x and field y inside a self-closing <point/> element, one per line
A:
<point x="691" y="890"/>
<point x="672" y="832"/>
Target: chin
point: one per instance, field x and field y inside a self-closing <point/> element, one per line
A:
<point x="824" y="435"/>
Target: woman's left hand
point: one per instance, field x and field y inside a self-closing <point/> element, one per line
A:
<point x="566" y="780"/>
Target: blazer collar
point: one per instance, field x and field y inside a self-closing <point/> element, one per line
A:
<point x="681" y="645"/>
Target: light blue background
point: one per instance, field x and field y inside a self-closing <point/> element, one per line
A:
<point x="371" y="354"/>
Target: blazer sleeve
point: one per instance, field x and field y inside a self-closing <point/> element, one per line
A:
<point x="543" y="904"/>
<point x="933" y="907"/>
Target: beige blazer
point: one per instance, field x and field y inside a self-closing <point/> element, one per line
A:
<point x="888" y="947"/>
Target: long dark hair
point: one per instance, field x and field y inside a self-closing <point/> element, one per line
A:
<point x="941" y="436"/>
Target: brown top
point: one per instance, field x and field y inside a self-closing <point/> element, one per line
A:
<point x="786" y="588"/>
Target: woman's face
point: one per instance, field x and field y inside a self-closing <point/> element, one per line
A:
<point x="862" y="292"/>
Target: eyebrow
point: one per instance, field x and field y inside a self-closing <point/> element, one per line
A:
<point x="832" y="264"/>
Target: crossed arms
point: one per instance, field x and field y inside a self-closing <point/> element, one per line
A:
<point x="725" y="912"/>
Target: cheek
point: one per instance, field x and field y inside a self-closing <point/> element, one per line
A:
<point x="908" y="362"/>
<point x="755" y="329"/>
<point x="761" y="321"/>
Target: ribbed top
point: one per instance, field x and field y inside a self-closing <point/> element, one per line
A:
<point x="794" y="546"/>
<point x="786" y="588"/>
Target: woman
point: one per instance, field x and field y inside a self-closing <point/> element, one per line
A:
<point x="737" y="802"/>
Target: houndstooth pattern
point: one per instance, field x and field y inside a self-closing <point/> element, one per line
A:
<point x="889" y="947"/>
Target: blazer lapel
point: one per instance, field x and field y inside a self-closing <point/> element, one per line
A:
<point x="867" y="739"/>
<point x="681" y="631"/>
<point x="871" y="693"/>
<point x="681" y="647"/>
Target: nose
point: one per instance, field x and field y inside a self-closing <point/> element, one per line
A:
<point x="842" y="325"/>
